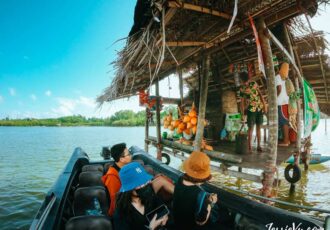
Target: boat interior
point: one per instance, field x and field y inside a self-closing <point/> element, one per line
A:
<point x="68" y="203"/>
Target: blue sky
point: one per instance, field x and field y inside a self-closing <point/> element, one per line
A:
<point x="55" y="55"/>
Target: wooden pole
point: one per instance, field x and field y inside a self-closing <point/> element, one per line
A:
<point x="146" y="143"/>
<point x="159" y="138"/>
<point x="272" y="113"/>
<point x="202" y="103"/>
<point x="180" y="84"/>
<point x="325" y="121"/>
<point x="289" y="44"/>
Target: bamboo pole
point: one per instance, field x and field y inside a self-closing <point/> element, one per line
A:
<point x="201" y="9"/>
<point x="202" y="103"/>
<point x="146" y="142"/>
<point x="289" y="44"/>
<point x="184" y="43"/>
<point x="159" y="138"/>
<point x="273" y="113"/>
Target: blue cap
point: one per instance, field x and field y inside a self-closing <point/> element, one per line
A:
<point x="132" y="176"/>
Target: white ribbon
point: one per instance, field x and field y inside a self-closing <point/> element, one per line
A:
<point x="233" y="18"/>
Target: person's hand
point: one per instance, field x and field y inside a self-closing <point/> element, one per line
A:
<point x="213" y="198"/>
<point x="154" y="223"/>
<point x="243" y="118"/>
<point x="265" y="109"/>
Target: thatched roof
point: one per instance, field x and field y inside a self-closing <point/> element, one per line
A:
<point x="167" y="34"/>
<point x="315" y="64"/>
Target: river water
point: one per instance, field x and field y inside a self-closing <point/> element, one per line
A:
<point x="31" y="158"/>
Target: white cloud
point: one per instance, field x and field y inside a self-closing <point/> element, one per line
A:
<point x="83" y="105"/>
<point x="66" y="107"/>
<point x="1" y="99"/>
<point x="48" y="93"/>
<point x="33" y="97"/>
<point x="12" y="91"/>
<point x="89" y="102"/>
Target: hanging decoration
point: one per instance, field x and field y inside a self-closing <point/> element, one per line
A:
<point x="260" y="57"/>
<point x="243" y="67"/>
<point x="311" y="110"/>
<point x="149" y="101"/>
<point x="233" y="18"/>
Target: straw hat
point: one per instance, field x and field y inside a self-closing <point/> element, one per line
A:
<point x="198" y="166"/>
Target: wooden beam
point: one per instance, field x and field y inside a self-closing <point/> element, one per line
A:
<point x="201" y="9"/>
<point x="318" y="81"/>
<point x="214" y="155"/>
<point x="323" y="102"/>
<point x="310" y="66"/>
<point x="146" y="144"/>
<point x="169" y="15"/>
<point x="168" y="100"/>
<point x="184" y="43"/>
<point x="202" y="103"/>
<point x="159" y="138"/>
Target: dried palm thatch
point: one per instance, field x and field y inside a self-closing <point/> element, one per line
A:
<point x="171" y="33"/>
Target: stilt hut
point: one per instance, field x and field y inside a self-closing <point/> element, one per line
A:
<point x="207" y="44"/>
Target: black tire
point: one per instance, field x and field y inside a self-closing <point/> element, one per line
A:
<point x="296" y="174"/>
<point x="167" y="158"/>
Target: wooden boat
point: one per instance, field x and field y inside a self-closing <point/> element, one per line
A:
<point x="64" y="206"/>
<point x="315" y="159"/>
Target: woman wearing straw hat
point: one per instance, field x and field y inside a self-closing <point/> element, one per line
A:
<point x="137" y="198"/>
<point x="191" y="204"/>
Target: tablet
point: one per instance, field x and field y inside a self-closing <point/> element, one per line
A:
<point x="160" y="211"/>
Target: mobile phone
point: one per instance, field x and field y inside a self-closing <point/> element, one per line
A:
<point x="160" y="211"/>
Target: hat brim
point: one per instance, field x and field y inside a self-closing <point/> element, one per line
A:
<point x="136" y="183"/>
<point x="204" y="176"/>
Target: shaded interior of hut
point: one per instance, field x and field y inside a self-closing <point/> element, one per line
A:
<point x="207" y="45"/>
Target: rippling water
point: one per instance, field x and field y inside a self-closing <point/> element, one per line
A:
<point x="31" y="158"/>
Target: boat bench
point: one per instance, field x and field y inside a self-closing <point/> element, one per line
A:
<point x="89" y="222"/>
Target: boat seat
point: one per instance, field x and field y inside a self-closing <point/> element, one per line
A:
<point x="90" y="178"/>
<point x="89" y="222"/>
<point x="97" y="167"/>
<point x="107" y="166"/>
<point x="139" y="161"/>
<point x="150" y="170"/>
<point x="84" y="200"/>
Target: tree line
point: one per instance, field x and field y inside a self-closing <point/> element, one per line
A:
<point x="120" y="118"/>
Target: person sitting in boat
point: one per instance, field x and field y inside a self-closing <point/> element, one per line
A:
<point x="111" y="180"/>
<point x="136" y="199"/>
<point x="253" y="105"/>
<point x="191" y="204"/>
<point x="283" y="103"/>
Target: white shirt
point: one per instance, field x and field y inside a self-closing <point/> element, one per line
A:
<point x="282" y="98"/>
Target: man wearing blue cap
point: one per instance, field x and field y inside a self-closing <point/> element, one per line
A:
<point x="137" y="197"/>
